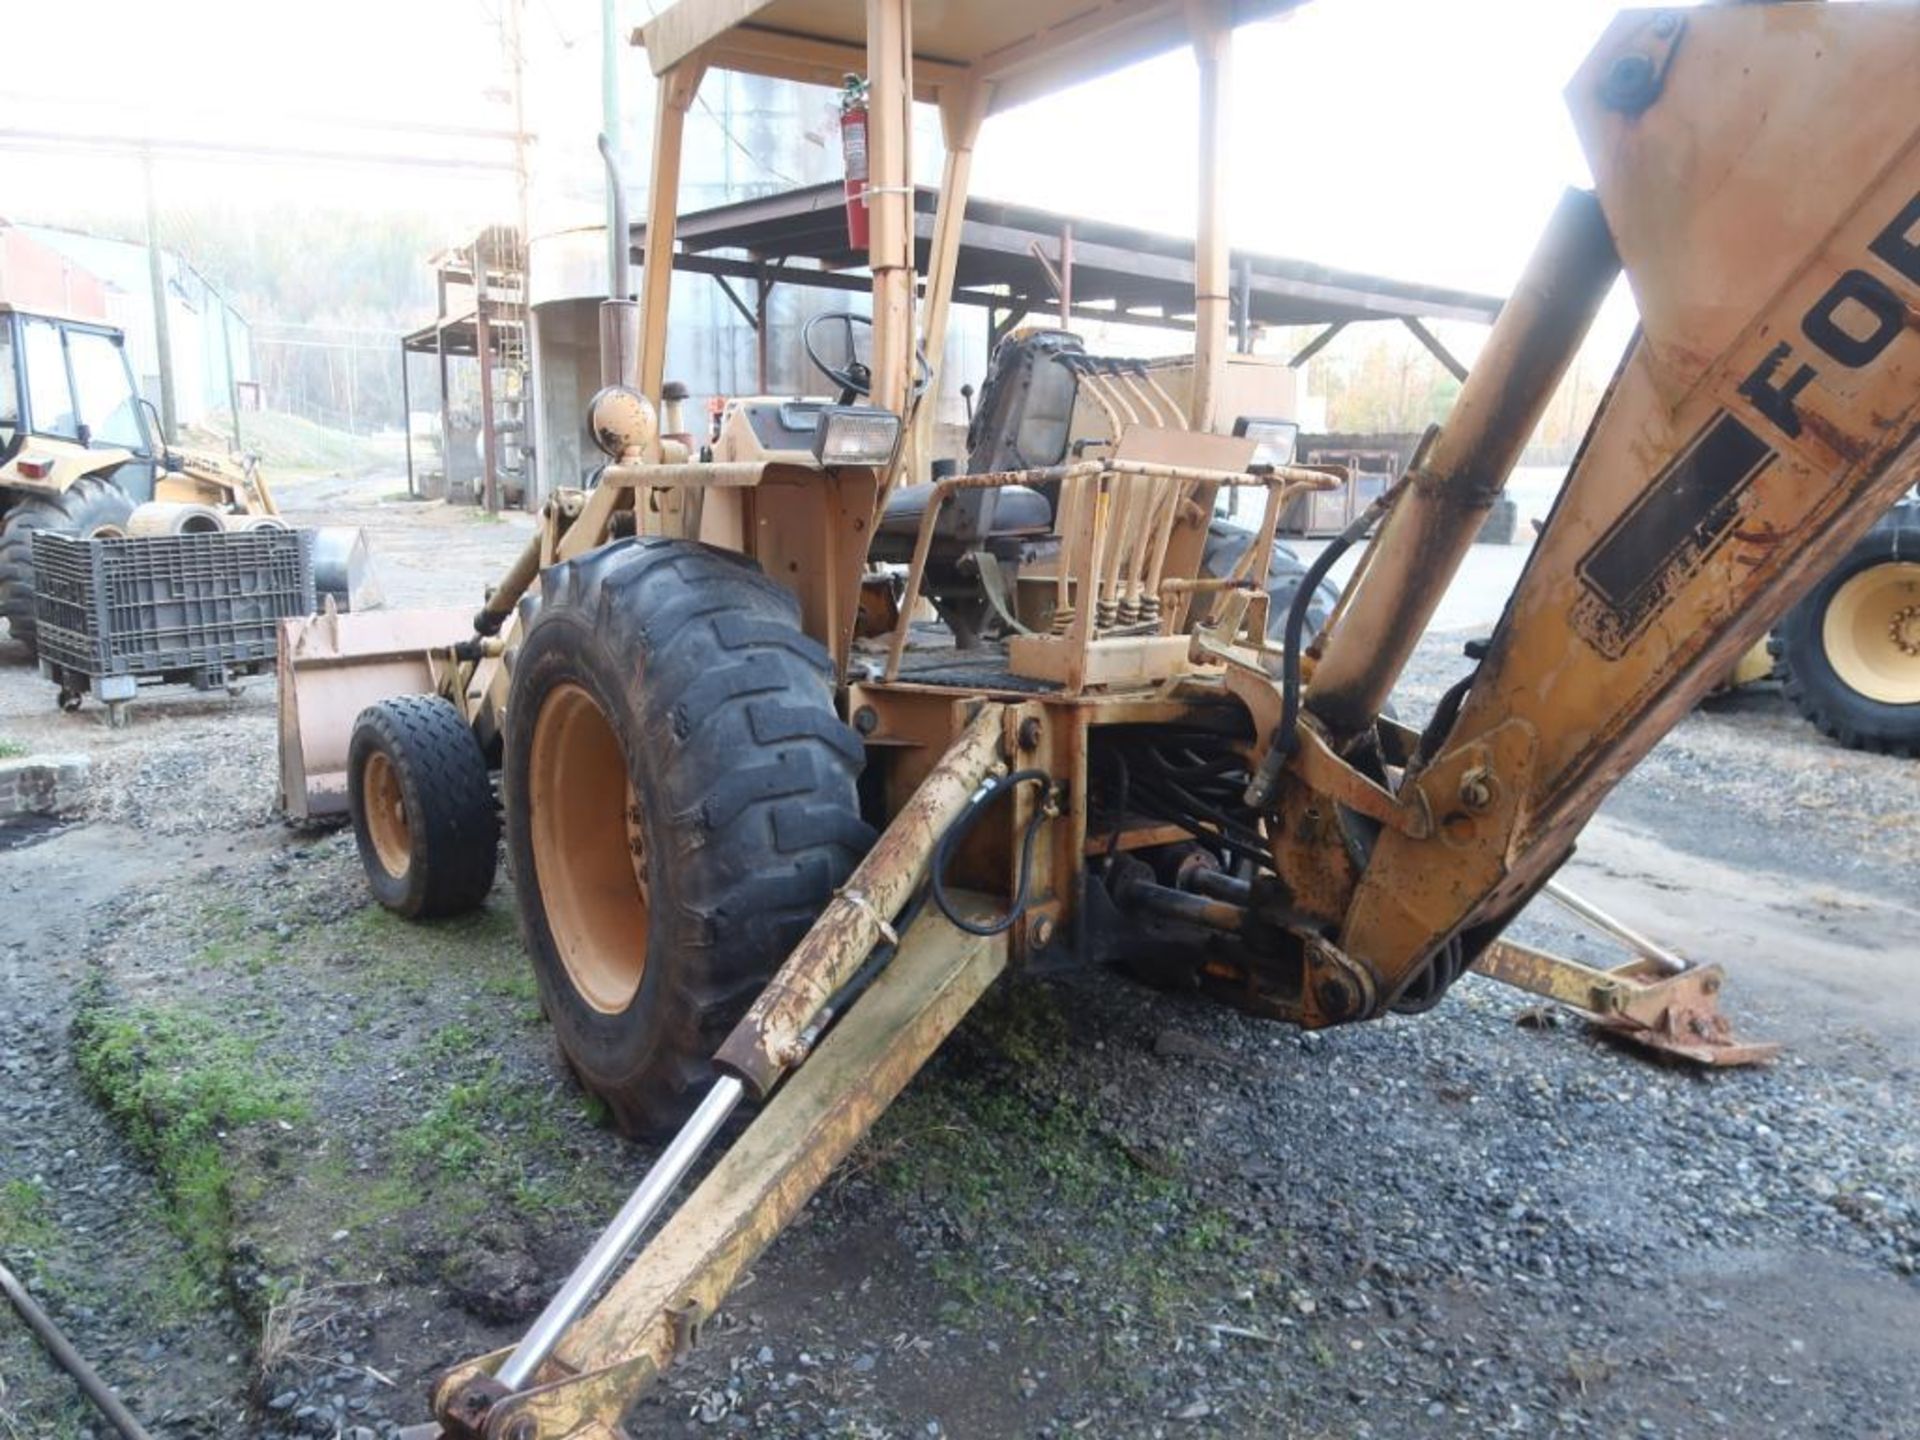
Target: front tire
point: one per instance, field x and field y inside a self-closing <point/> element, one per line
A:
<point x="93" y="505"/>
<point x="422" y="807"/>
<point x="680" y="801"/>
<point x="1849" y="653"/>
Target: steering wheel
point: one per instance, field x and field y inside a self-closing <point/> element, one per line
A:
<point x="855" y="378"/>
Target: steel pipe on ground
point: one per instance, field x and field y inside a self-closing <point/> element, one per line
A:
<point x="69" y="1359"/>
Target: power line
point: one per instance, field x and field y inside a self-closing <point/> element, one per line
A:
<point x="94" y="103"/>
<point x="653" y="13"/>
<point x="136" y="147"/>
<point x="741" y="146"/>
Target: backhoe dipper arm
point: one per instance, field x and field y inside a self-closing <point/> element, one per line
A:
<point x="1759" y="169"/>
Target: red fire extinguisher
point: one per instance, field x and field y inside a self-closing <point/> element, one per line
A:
<point x="853" y="150"/>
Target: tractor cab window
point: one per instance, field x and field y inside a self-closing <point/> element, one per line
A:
<point x="9" y="394"/>
<point x="104" y="387"/>
<point x="49" y="400"/>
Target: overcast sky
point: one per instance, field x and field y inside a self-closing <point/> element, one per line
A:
<point x="1416" y="138"/>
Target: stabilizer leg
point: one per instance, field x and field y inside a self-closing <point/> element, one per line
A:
<point x="655" y="1310"/>
<point x="1657" y="1000"/>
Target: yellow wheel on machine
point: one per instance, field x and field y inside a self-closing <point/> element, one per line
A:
<point x="1872" y="632"/>
<point x="1850" y="651"/>
<point x="680" y="805"/>
<point x="598" y="902"/>
<point x="386" y="814"/>
<point x="422" y="805"/>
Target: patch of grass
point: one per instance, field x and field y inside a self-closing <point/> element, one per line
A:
<point x="356" y="1200"/>
<point x="177" y="1083"/>
<point x="1023" y="1022"/>
<point x="984" y="1146"/>
<point x="452" y="1041"/>
<point x="231" y="939"/>
<point x="484" y="945"/>
<point x="25" y="1222"/>
<point x="495" y="1135"/>
<point x="40" y="1402"/>
<point x="1034" y="1185"/>
<point x="12" y="749"/>
<point x="291" y="442"/>
<point x="517" y="985"/>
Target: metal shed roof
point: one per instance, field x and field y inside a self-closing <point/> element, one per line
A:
<point x="1119" y="273"/>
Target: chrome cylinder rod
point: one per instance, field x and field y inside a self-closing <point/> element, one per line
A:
<point x="1631" y="938"/>
<point x="619" y="1237"/>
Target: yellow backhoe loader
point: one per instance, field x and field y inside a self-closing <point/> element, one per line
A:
<point x="771" y="838"/>
<point x="80" y="452"/>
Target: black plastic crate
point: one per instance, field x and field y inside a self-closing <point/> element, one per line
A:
<point x="195" y="608"/>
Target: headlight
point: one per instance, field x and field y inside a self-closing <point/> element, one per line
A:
<point x="622" y="421"/>
<point x="856" y="435"/>
<point x="1277" y="439"/>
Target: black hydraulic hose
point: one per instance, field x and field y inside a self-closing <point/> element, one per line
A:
<point x="956" y="832"/>
<point x="70" y="1359"/>
<point x="842" y="999"/>
<point x="1444" y="714"/>
<point x="1286" y="739"/>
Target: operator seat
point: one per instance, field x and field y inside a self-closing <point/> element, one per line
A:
<point x="1022" y="423"/>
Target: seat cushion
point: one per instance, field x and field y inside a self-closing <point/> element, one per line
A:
<point x="1018" y="510"/>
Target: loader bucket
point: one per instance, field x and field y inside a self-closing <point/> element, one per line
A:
<point x="343" y="569"/>
<point x="333" y="666"/>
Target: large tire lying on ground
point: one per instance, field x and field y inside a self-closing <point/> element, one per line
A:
<point x="422" y="807"/>
<point x="680" y="801"/>
<point x="1849" y="653"/>
<point x="1227" y="543"/>
<point x="87" y="507"/>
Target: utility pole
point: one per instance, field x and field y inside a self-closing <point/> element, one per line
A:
<point x="516" y="11"/>
<point x="157" y="279"/>
<point x="610" y="127"/>
<point x="517" y="68"/>
<point x="226" y="349"/>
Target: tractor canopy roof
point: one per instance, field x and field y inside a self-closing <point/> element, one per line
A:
<point x="1023" y="48"/>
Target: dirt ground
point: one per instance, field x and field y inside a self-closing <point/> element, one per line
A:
<point x="275" y="1159"/>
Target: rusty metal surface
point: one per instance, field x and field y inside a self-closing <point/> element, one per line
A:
<point x="1677" y="1015"/>
<point x="642" y="1323"/>
<point x="1747" y="442"/>
<point x="1440" y="510"/>
<point x="771" y="1036"/>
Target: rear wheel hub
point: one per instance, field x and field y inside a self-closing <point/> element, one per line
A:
<point x="1872" y="633"/>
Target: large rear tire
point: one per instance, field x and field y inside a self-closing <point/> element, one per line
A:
<point x="1849" y="653"/>
<point x="1285" y="571"/>
<point x="680" y="801"/>
<point x="90" y="506"/>
<point x="422" y="807"/>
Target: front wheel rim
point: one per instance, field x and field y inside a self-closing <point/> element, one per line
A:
<point x="1871" y="633"/>
<point x="385" y="809"/>
<point x="589" y="849"/>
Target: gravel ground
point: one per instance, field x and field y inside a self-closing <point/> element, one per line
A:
<point x="275" y="1160"/>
